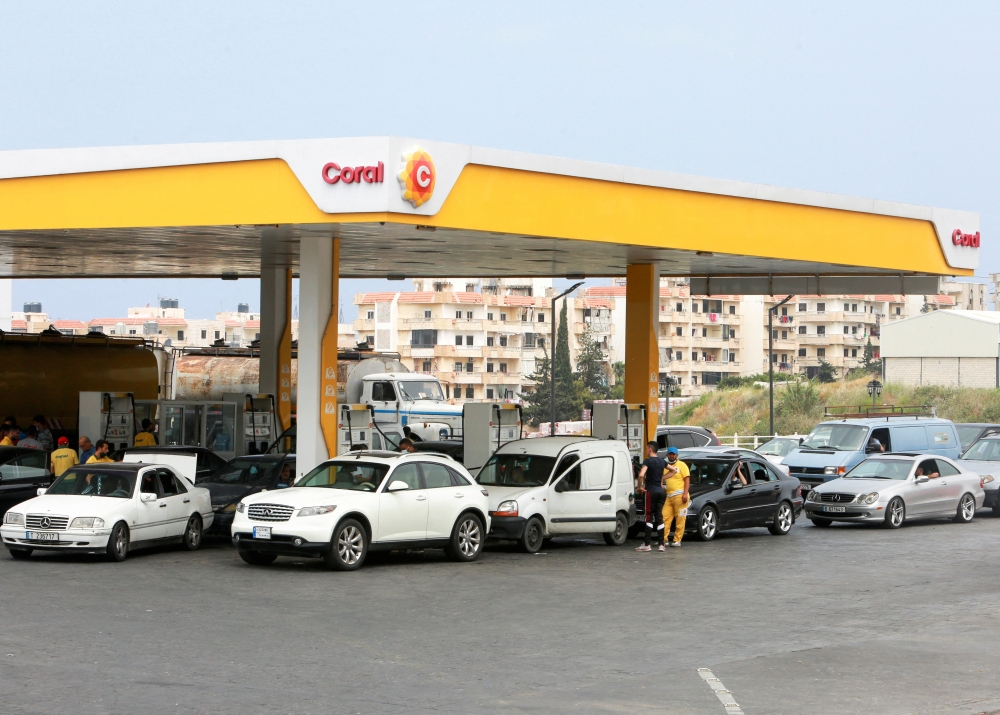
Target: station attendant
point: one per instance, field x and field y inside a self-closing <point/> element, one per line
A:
<point x="9" y="433"/>
<point x="651" y="488"/>
<point x="100" y="454"/>
<point x="63" y="458"/>
<point x="677" y="484"/>
<point x="146" y="438"/>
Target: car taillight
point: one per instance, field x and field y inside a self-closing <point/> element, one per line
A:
<point x="982" y="484"/>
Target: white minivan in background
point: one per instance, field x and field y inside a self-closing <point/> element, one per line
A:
<point x="554" y="486"/>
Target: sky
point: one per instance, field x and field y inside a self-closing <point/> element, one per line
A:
<point x="894" y="100"/>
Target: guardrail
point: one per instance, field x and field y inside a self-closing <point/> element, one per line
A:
<point x="752" y="441"/>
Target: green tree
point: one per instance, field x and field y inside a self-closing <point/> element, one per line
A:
<point x="591" y="368"/>
<point x="617" y="391"/>
<point x="826" y="373"/>
<point x="569" y="396"/>
<point x="535" y="404"/>
<point x="869" y="362"/>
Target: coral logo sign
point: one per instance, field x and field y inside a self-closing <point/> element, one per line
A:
<point x="417" y="176"/>
<point x="333" y="173"/>
<point x="965" y="239"/>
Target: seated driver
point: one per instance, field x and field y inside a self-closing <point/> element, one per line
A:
<point x="285" y="478"/>
<point x="148" y="485"/>
<point x="517" y="475"/>
<point x="740" y="474"/>
<point x="926" y="469"/>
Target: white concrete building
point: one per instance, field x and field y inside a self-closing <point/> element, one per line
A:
<point x="952" y="348"/>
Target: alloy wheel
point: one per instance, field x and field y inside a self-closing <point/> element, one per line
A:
<point x="350" y="544"/>
<point x="193" y="533"/>
<point x="469" y="537"/>
<point x="784" y="517"/>
<point x="708" y="524"/>
<point x="968" y="507"/>
<point x="896" y="513"/>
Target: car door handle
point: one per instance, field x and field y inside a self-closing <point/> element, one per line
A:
<point x="753" y="491"/>
<point x="605" y="497"/>
<point x="459" y="496"/>
<point x="163" y="506"/>
<point x="187" y="501"/>
<point x="421" y="498"/>
<point x="776" y="489"/>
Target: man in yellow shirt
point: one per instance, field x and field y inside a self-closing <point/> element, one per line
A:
<point x="146" y="438"/>
<point x="63" y="458"/>
<point x="100" y="452"/>
<point x="677" y="484"/>
<point x="9" y="436"/>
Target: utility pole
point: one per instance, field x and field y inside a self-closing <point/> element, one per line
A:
<point x="552" y="356"/>
<point x="770" y="359"/>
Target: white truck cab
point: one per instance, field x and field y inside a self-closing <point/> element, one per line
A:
<point x="552" y="486"/>
<point x="411" y="400"/>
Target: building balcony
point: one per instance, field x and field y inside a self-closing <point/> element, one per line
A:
<point x="501" y="378"/>
<point x="360" y="324"/>
<point x="502" y="352"/>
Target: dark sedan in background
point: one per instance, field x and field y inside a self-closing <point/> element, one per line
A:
<point x="22" y="471"/>
<point x="243" y="476"/>
<point x="208" y="461"/>
<point x="731" y="491"/>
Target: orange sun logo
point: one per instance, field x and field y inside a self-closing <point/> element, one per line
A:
<point x="417" y="177"/>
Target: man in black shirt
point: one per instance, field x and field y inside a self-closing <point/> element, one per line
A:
<point x="651" y="487"/>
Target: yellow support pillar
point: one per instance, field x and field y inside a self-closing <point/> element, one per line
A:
<point x="328" y="359"/>
<point x="642" y="354"/>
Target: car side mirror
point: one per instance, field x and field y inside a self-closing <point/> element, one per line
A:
<point x="733" y="486"/>
<point x="921" y="479"/>
<point x="41" y="490"/>
<point x="398" y="486"/>
<point x="561" y="486"/>
<point x="147" y="497"/>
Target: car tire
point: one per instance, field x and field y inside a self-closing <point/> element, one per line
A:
<point x="783" y="518"/>
<point x="966" y="509"/>
<point x="533" y="536"/>
<point x="467" y="539"/>
<point x="256" y="558"/>
<point x="118" y="543"/>
<point x="349" y="546"/>
<point x="708" y="523"/>
<point x="895" y="514"/>
<point x="193" y="533"/>
<point x="820" y="522"/>
<point x="620" y="535"/>
<point x="20" y="553"/>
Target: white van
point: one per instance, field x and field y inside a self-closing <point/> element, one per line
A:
<point x="553" y="486"/>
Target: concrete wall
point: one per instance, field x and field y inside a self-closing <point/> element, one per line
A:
<point x="944" y="371"/>
<point x="943" y="333"/>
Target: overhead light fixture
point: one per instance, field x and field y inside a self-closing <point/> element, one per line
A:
<point x="575" y="277"/>
<point x="426" y="228"/>
<point x="396" y="277"/>
<point x="230" y="277"/>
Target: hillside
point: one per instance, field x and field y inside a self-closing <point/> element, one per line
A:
<point x="798" y="407"/>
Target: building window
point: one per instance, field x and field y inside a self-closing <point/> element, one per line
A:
<point x="784" y="310"/>
<point x="489" y="341"/>
<point x="678" y="356"/>
<point x="489" y="393"/>
<point x="694" y="306"/>
<point x="457" y="393"/>
<point x="427" y="315"/>
<point x="802" y="330"/>
<point x="704" y="332"/>
<point x="802" y="307"/>
<point x="694" y="332"/>
<point x="458" y="367"/>
<point x="371" y="315"/>
<point x="845" y="330"/>
<point x="503" y="367"/>
<point x="503" y="341"/>
<point x="458" y="315"/>
<point x="802" y="352"/>
<point x="854" y="330"/>
<point x="846" y="307"/>
<point x="489" y="367"/>
<point x="458" y="340"/>
<point x="821" y="330"/>
<point x="732" y="310"/>
<point x="694" y="355"/>
<point x="821" y="307"/>
<point x="423" y="338"/>
<point x="854" y="352"/>
<point x="821" y="352"/>
<point x="774" y="357"/>
<point x="529" y="340"/>
<point x="216" y="334"/>
<point x="541" y="341"/>
<point x="489" y="316"/>
<point x="541" y="317"/>
<point x="846" y="352"/>
<point x="503" y="317"/>
<point x="426" y="366"/>
<point x="131" y="332"/>
<point x="694" y="379"/>
<point x="854" y="308"/>
<point x="180" y="334"/>
<point x="468" y="340"/>
<point x="774" y="334"/>
<point x="680" y="307"/>
<point x="204" y="334"/>
<point x="680" y="331"/>
<point x="897" y="310"/>
<point x="784" y="335"/>
<point x="468" y="315"/>
<point x="470" y="392"/>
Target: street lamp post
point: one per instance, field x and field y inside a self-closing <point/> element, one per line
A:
<point x="770" y="359"/>
<point x="668" y="384"/>
<point x="874" y="389"/>
<point x="552" y="356"/>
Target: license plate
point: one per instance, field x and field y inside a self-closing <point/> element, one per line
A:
<point x="805" y="488"/>
<point x="262" y="532"/>
<point x="835" y="509"/>
<point x="41" y="536"/>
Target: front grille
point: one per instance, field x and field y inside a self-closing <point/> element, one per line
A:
<point x="807" y="470"/>
<point x="45" y="521"/>
<point x="269" y="512"/>
<point x="837" y="498"/>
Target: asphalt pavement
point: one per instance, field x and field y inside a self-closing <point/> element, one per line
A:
<point x="850" y="619"/>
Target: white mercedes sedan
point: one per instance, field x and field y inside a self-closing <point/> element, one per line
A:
<point x="366" y="501"/>
<point x="109" y="508"/>
<point x="889" y="489"/>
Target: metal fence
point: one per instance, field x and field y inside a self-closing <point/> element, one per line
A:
<point x="752" y="441"/>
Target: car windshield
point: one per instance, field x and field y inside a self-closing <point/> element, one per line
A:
<point x="421" y="390"/>
<point x="967" y="435"/>
<point x="94" y="483"/>
<point x="985" y="450"/>
<point x="357" y="476"/>
<point x="708" y="474"/>
<point x="241" y="471"/>
<point x="516" y="470"/>
<point x="881" y="469"/>
<point x="847" y="438"/>
<point x="778" y="447"/>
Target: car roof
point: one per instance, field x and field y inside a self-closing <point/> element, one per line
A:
<point x="117" y="466"/>
<point x="387" y="456"/>
<point x="165" y="449"/>
<point x="545" y="446"/>
<point x="11" y="451"/>
<point x="907" y="455"/>
<point x="976" y="424"/>
<point x="886" y="420"/>
<point x="691" y="428"/>
<point x="264" y="457"/>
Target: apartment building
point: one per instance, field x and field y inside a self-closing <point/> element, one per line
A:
<point x="34" y="320"/>
<point x="966" y="296"/>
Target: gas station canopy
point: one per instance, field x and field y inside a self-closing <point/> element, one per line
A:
<point x="404" y="208"/>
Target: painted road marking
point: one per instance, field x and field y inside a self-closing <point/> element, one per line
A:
<point x="724" y="696"/>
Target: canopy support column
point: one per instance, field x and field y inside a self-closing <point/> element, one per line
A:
<point x="319" y="278"/>
<point x="642" y="354"/>
<point x="276" y="339"/>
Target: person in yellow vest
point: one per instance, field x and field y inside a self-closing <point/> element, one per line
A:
<point x="100" y="452"/>
<point x="63" y="458"/>
<point x="9" y="433"/>
<point x="145" y="438"/>
<point x="677" y="484"/>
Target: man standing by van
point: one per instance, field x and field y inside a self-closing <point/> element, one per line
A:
<point x="677" y="483"/>
<point x="651" y="488"/>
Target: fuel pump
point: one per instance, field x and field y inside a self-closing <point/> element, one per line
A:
<point x="108" y="415"/>
<point x="255" y="422"/>
<point x="354" y="428"/>
<point x="487" y="426"/>
<point x="621" y="421"/>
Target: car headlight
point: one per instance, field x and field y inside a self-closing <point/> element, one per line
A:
<point x="868" y="498"/>
<point x="13" y="519"/>
<point x="316" y="510"/>
<point x="87" y="522"/>
<point x="241" y="508"/>
<point x="813" y="496"/>
<point x="506" y="508"/>
<point x="227" y="509"/>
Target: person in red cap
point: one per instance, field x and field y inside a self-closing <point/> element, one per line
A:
<point x="63" y="458"/>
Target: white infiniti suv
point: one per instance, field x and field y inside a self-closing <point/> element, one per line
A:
<point x="367" y="500"/>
